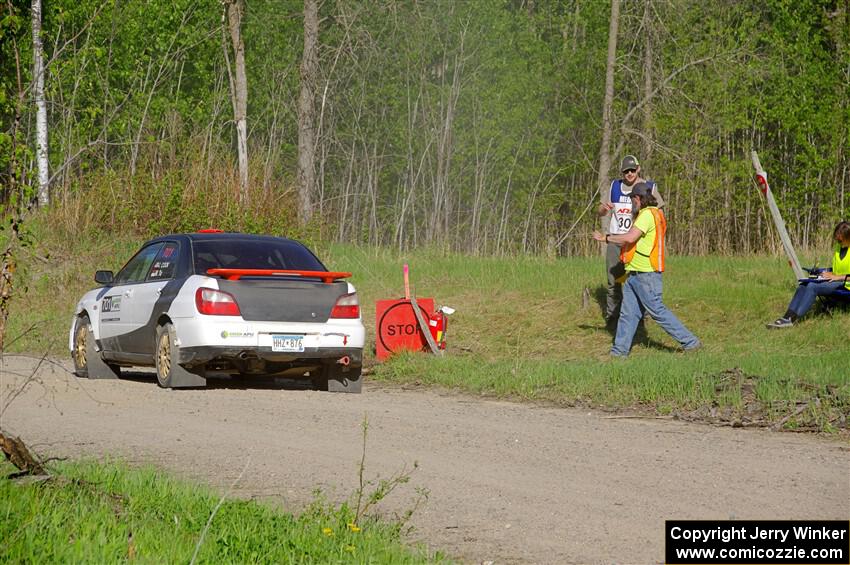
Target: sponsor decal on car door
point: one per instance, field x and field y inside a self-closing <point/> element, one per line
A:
<point x="118" y="304"/>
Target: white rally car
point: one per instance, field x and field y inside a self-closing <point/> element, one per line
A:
<point x="221" y="303"/>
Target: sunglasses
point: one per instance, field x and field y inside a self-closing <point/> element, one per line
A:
<point x="629" y="171"/>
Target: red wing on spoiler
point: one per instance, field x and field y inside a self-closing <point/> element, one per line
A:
<point x="326" y="277"/>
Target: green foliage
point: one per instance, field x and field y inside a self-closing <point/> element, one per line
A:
<point x="128" y="68"/>
<point x="471" y="126"/>
<point x="15" y="55"/>
<point x="92" y="513"/>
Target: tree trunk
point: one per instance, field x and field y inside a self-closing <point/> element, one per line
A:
<point x="41" y="106"/>
<point x="647" y="83"/>
<point x="307" y="112"/>
<point x="604" y="154"/>
<point x="239" y="93"/>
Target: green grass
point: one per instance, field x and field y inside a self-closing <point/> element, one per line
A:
<point x="93" y="513"/>
<point x="531" y="328"/>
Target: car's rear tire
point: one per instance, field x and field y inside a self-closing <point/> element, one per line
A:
<point x="82" y="338"/>
<point x="169" y="373"/>
<point x="164" y="355"/>
<point x="333" y="378"/>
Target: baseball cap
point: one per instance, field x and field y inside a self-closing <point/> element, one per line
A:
<point x="629" y="162"/>
<point x="640" y="189"/>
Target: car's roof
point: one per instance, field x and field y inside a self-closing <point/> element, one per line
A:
<point x="219" y="236"/>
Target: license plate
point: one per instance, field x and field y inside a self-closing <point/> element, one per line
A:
<point x="289" y="343"/>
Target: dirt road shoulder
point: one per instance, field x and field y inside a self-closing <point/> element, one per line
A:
<point x="507" y="482"/>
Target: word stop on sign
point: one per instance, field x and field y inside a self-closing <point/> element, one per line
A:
<point x="396" y="326"/>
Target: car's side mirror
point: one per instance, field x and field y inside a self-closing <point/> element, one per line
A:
<point x="103" y="277"/>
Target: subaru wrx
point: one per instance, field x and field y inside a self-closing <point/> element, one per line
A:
<point x="200" y="304"/>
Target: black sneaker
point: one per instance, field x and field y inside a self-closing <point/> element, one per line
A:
<point x="779" y="323"/>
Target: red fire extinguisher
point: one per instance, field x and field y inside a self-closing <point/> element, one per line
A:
<point x="438" y="324"/>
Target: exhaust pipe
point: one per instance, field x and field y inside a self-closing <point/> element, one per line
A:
<point x="345" y="360"/>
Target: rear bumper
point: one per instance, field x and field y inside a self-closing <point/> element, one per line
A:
<point x="231" y="332"/>
<point x="311" y="356"/>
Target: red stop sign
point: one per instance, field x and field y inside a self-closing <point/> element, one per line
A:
<point x="397" y="327"/>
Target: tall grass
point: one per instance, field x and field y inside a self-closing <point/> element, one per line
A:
<point x="176" y="199"/>
<point x="107" y="513"/>
<point x="532" y="328"/>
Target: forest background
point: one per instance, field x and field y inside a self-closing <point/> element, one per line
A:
<point x="472" y="126"/>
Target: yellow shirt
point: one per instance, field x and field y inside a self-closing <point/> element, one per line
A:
<point x="841" y="266"/>
<point x="640" y="263"/>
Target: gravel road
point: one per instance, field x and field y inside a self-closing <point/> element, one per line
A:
<point x="508" y="482"/>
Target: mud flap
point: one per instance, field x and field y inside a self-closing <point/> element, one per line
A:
<point x="339" y="379"/>
<point x="182" y="377"/>
<point x="96" y="366"/>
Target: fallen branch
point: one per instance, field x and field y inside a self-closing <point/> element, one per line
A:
<point x="797" y="412"/>
<point x="17" y="453"/>
<point x="637" y="417"/>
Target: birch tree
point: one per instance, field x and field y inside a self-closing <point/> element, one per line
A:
<point x="41" y="106"/>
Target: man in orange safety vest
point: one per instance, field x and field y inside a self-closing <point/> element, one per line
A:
<point x="643" y="253"/>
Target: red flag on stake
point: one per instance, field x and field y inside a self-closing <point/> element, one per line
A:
<point x="761" y="178"/>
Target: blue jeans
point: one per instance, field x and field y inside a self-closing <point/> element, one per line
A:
<point x="642" y="293"/>
<point x="806" y="295"/>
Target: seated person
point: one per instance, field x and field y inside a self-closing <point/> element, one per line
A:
<point x="829" y="284"/>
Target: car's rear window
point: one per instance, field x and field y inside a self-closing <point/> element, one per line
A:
<point x="253" y="254"/>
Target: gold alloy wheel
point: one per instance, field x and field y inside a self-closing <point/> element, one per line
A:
<point x="80" y="343"/>
<point x="163" y="353"/>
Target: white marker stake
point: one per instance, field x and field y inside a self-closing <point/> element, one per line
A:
<point x="406" y="282"/>
<point x="761" y="177"/>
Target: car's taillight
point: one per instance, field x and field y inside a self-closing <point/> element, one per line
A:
<point x="347" y="306"/>
<point x="216" y="303"/>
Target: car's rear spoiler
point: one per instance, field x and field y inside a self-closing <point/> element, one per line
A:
<point x="326" y="277"/>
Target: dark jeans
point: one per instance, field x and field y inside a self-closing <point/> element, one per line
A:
<point x="614" y="269"/>
<point x="806" y="295"/>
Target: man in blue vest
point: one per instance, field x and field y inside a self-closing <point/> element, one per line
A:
<point x="616" y="213"/>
